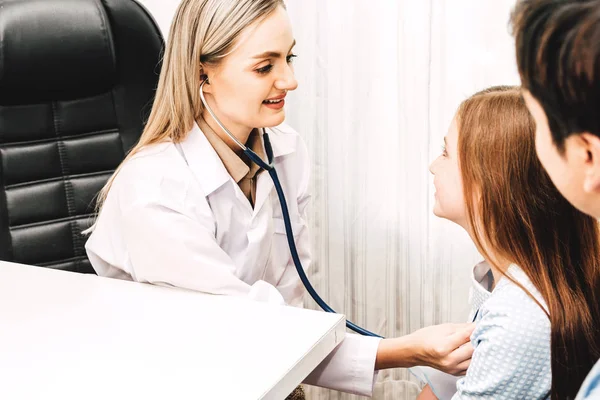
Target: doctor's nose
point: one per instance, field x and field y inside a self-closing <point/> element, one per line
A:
<point x="287" y="79"/>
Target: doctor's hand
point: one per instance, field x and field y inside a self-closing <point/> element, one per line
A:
<point x="444" y="347"/>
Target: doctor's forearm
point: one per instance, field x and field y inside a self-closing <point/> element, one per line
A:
<point x="396" y="353"/>
<point x="445" y="347"/>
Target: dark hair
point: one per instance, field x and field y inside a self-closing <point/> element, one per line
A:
<point x="517" y="214"/>
<point x="558" y="56"/>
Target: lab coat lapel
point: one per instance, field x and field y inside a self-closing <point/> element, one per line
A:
<point x="283" y="144"/>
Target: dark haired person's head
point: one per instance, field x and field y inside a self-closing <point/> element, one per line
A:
<point x="558" y="56"/>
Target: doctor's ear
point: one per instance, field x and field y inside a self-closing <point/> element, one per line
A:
<point x="204" y="78"/>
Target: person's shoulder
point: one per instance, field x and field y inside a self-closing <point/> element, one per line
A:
<point x="156" y="174"/>
<point x="152" y="162"/>
<point x="153" y="156"/>
<point x="517" y="294"/>
<point x="513" y="314"/>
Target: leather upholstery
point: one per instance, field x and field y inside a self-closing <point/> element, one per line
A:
<point x="77" y="79"/>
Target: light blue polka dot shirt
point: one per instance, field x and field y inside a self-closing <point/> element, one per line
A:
<point x="511" y="341"/>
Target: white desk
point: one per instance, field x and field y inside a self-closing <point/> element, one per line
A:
<point x="70" y="336"/>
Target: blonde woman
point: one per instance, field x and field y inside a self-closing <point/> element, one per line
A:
<point x="187" y="209"/>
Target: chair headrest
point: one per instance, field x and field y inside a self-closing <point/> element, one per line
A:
<point x="54" y="50"/>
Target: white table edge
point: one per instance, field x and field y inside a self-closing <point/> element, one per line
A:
<point x="291" y="379"/>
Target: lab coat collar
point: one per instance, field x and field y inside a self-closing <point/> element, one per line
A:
<point x="283" y="140"/>
<point x="204" y="161"/>
<point x="235" y="166"/>
<point x="208" y="167"/>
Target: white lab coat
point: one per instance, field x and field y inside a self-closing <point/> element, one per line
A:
<point x="168" y="223"/>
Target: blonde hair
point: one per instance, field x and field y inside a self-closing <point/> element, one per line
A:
<point x="203" y="32"/>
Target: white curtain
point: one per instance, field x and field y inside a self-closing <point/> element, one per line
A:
<point x="379" y="83"/>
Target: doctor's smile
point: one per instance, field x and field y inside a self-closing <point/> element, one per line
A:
<point x="275" y="103"/>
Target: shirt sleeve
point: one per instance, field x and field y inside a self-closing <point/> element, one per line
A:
<point x="350" y="367"/>
<point x="512" y="355"/>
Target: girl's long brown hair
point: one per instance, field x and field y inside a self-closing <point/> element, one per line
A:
<point x="517" y="215"/>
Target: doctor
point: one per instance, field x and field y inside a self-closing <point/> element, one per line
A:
<point x="187" y="209"/>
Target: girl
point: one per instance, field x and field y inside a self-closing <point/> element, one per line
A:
<point x="533" y="297"/>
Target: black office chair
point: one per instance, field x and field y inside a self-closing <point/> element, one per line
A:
<point x="77" y="79"/>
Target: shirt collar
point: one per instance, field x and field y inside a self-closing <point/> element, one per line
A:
<point x="212" y="170"/>
<point x="233" y="163"/>
<point x="482" y="282"/>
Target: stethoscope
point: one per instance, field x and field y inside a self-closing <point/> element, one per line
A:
<point x="270" y="168"/>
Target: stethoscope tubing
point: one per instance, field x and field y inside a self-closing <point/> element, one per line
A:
<point x="270" y="168"/>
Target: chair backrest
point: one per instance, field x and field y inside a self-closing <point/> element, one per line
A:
<point x="77" y="80"/>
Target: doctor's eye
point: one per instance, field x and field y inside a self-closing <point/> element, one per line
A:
<point x="265" y="70"/>
<point x="290" y="58"/>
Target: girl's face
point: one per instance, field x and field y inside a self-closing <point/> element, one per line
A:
<point x="449" y="198"/>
